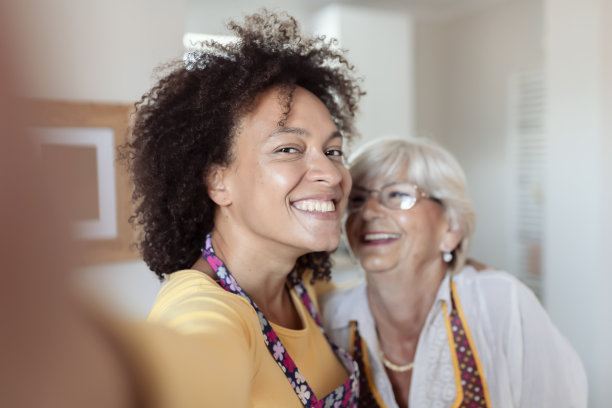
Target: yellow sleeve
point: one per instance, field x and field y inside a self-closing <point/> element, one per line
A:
<point x="170" y="369"/>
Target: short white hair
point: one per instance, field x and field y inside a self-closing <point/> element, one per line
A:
<point x="429" y="166"/>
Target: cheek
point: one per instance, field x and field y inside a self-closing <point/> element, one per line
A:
<point x="346" y="183"/>
<point x="271" y="184"/>
<point x="422" y="235"/>
<point x="281" y="175"/>
<point x="413" y="224"/>
<point x="405" y="222"/>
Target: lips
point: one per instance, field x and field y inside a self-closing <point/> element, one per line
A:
<point x="319" y="206"/>
<point x="379" y="237"/>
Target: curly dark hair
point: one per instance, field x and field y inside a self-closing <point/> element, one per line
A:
<point x="187" y="122"/>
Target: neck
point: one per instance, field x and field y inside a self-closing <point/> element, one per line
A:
<point x="261" y="270"/>
<point x="400" y="301"/>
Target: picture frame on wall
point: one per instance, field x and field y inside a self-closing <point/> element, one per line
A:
<point x="77" y="146"/>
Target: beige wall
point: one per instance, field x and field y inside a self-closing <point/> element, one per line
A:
<point x="383" y="56"/>
<point x="101" y="51"/>
<point x="577" y="254"/>
<point x="97" y="50"/>
<point x="210" y="16"/>
<point x="462" y="72"/>
<point x="379" y="44"/>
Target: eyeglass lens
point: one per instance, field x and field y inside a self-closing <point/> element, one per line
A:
<point x="399" y="196"/>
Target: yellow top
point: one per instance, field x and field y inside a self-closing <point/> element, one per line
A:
<point x="241" y="370"/>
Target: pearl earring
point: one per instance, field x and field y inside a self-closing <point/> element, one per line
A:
<point x="447" y="256"/>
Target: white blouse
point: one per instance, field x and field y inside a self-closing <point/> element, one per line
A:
<point x="526" y="360"/>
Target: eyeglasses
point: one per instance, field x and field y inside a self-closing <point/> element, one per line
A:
<point x="398" y="195"/>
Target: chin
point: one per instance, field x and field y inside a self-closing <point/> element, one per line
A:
<point x="373" y="267"/>
<point x="327" y="245"/>
<point x="326" y="248"/>
<point x="315" y="240"/>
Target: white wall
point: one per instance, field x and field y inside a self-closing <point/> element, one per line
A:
<point x="431" y="66"/>
<point x="577" y="258"/>
<point x="607" y="139"/>
<point x="211" y="16"/>
<point x="462" y="72"/>
<point x="97" y="50"/>
<point x="380" y="45"/>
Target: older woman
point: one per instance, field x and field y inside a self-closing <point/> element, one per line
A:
<point x="241" y="187"/>
<point x="428" y="330"/>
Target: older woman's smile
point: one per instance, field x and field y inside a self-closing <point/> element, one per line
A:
<point x="378" y="238"/>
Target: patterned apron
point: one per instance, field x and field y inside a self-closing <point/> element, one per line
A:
<point x="472" y="391"/>
<point x="343" y="396"/>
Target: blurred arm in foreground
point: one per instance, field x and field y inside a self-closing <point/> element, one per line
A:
<point x="54" y="350"/>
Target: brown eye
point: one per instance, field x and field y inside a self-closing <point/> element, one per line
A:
<point x="334" y="152"/>
<point x="289" y="150"/>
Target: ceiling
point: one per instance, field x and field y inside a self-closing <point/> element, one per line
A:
<point x="435" y="9"/>
<point x="429" y="8"/>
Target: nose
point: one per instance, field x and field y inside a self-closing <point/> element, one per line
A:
<point x="322" y="168"/>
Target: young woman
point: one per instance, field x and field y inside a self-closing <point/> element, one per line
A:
<point x="239" y="177"/>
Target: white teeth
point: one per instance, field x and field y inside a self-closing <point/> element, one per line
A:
<point x="379" y="236"/>
<point x="315" y="205"/>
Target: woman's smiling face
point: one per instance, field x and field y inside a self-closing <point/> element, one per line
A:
<point x="385" y="239"/>
<point x="288" y="185"/>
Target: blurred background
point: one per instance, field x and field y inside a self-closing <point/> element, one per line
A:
<point x="520" y="91"/>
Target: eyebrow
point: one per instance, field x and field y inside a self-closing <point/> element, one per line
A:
<point x="302" y="132"/>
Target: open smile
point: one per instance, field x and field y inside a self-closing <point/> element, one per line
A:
<point x="379" y="238"/>
<point x="317" y="208"/>
<point x="322" y="206"/>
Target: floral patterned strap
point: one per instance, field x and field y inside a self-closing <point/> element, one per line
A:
<point x="369" y="397"/>
<point x="343" y="396"/>
<point x="473" y="392"/>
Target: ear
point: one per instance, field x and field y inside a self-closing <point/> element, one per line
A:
<point x="215" y="185"/>
<point x="451" y="239"/>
